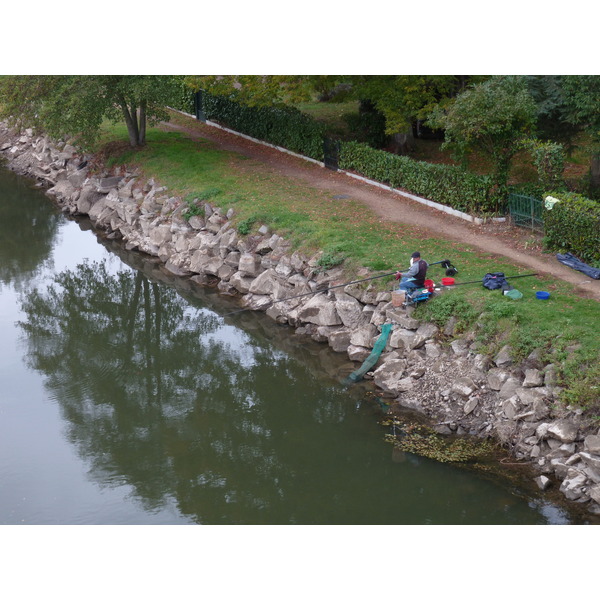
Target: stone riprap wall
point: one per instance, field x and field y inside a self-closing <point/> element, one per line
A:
<point x="434" y="372"/>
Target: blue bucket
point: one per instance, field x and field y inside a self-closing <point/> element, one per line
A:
<point x="542" y="295"/>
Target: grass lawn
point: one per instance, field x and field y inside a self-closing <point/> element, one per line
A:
<point x="565" y="327"/>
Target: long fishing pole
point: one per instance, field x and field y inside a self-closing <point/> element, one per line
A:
<point x="317" y="291"/>
<point x="480" y="280"/>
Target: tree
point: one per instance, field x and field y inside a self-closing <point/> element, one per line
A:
<point x="400" y="99"/>
<point x="76" y="105"/>
<point x="582" y="96"/>
<point x="494" y="117"/>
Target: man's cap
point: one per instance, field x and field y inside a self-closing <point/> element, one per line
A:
<point x="416" y="255"/>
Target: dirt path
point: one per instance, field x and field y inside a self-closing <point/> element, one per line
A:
<point x="517" y="244"/>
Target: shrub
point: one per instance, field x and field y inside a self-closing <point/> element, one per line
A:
<point x="448" y="185"/>
<point x="573" y="225"/>
<point x="245" y="227"/>
<point x="282" y="126"/>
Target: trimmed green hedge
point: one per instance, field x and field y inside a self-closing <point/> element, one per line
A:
<point x="448" y="185"/>
<point x="573" y="225"/>
<point x="282" y="126"/>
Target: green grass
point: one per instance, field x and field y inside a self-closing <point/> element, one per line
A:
<point x="313" y="220"/>
<point x="331" y="114"/>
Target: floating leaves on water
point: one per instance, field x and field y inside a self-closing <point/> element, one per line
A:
<point x="423" y="441"/>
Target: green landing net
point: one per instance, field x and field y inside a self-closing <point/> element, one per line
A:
<point x="372" y="358"/>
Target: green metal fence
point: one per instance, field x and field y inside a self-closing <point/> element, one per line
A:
<point x="526" y="211"/>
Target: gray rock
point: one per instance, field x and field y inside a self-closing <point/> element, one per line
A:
<point x="543" y="482"/>
<point x="470" y="405"/>
<point x="401" y="338"/>
<point x="464" y="386"/>
<point x="563" y="430"/>
<point x="390" y="374"/>
<point x="460" y="347"/>
<point x="364" y="336"/>
<point x="340" y="340"/>
<point x="503" y="358"/>
<point x="496" y="378"/>
<point x="594" y="493"/>
<point x="572" y="484"/>
<point x="320" y="310"/>
<point x="349" y="310"/>
<point x="533" y="378"/>
<point x="592" y="444"/>
<point x="268" y="283"/>
<point x="358" y="353"/>
<point x="87" y="198"/>
<point x="249" y="264"/>
<point x="591" y="460"/>
<point x="510" y="408"/>
<point x="107" y="184"/>
<point x="432" y="350"/>
<point x="509" y="388"/>
<point x="527" y="396"/>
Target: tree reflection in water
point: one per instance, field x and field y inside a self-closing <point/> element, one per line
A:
<point x="160" y="395"/>
<point x="28" y="229"/>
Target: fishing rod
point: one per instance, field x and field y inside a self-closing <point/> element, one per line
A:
<point x="317" y="291"/>
<point x="480" y="280"/>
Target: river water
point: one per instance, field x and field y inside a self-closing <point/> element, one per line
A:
<point x="126" y="398"/>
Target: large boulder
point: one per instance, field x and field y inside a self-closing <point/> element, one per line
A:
<point x="268" y="283"/>
<point x="592" y="444"/>
<point x="340" y="340"/>
<point x="87" y="198"/>
<point x="563" y="430"/>
<point x="364" y="336"/>
<point x="249" y="264"/>
<point x="390" y="376"/>
<point x="349" y="310"/>
<point x="320" y="310"/>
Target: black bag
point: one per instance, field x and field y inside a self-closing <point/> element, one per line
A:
<point x="494" y="281"/>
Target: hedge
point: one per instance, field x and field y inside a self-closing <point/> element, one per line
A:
<point x="448" y="185"/>
<point x="283" y="126"/>
<point x="573" y="225"/>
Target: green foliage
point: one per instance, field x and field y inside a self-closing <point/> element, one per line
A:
<point x="245" y="227"/>
<point x="193" y="210"/>
<point x="329" y="260"/>
<point x="76" y="105"/>
<point x="448" y="185"/>
<point x="440" y="310"/>
<point x="280" y="125"/>
<point x="493" y="118"/>
<point x="549" y="160"/>
<point x="573" y="225"/>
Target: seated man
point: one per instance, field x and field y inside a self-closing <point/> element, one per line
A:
<point x="415" y="276"/>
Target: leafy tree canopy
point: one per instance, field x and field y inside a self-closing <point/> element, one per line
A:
<point x="76" y="105"/>
<point x="493" y="117"/>
<point x="400" y="98"/>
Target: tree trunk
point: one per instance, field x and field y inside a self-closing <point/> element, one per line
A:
<point x="131" y="122"/>
<point x="142" y="121"/>
<point x="595" y="175"/>
<point x="403" y="143"/>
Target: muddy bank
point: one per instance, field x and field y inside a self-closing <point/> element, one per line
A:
<point x="435" y="372"/>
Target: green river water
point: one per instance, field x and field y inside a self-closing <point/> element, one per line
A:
<point x="127" y="399"/>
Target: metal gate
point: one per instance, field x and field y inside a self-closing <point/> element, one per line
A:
<point x="199" y="106"/>
<point x="526" y="211"/>
<point x="331" y="153"/>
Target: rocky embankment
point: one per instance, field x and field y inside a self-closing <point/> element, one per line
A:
<point x="429" y="370"/>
